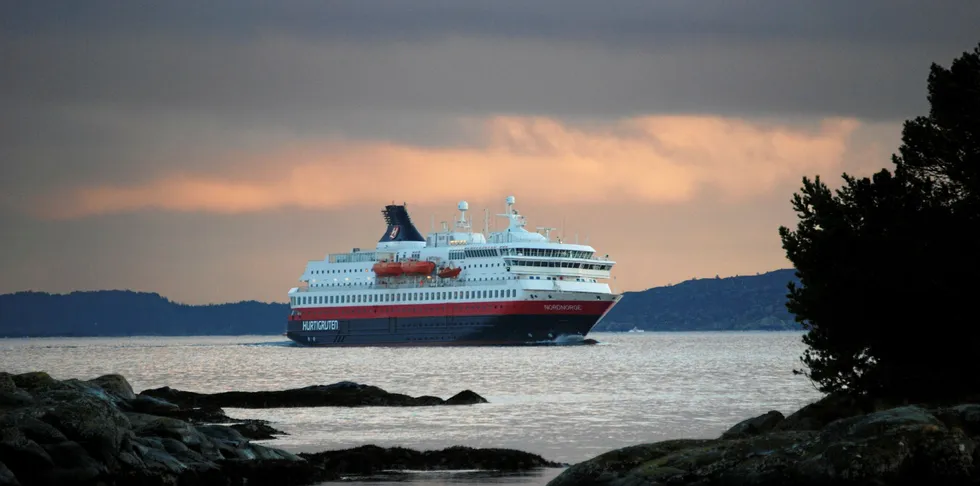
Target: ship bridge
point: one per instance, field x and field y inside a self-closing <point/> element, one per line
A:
<point x="461" y="235"/>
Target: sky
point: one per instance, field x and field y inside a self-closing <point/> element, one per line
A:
<point x="207" y="150"/>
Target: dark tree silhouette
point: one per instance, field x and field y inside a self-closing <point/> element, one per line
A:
<point x="888" y="265"/>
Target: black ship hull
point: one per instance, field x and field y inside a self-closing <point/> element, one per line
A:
<point x="508" y="329"/>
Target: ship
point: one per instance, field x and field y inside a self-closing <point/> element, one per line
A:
<point x="454" y="287"/>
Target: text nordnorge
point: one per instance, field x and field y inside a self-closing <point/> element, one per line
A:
<point x="320" y="325"/>
<point x="562" y="307"/>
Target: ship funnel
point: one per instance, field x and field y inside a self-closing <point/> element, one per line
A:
<point x="400" y="227"/>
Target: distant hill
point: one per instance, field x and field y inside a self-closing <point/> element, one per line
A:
<point x="755" y="302"/>
<point x="127" y="313"/>
<point x="713" y="304"/>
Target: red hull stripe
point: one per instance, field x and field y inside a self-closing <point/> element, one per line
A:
<point x="434" y="344"/>
<point x="539" y="307"/>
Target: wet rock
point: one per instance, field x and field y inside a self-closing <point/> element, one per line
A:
<point x="284" y="472"/>
<point x="343" y="394"/>
<point x="34" y="380"/>
<point x="7" y="384"/>
<point x="77" y="432"/>
<point x="257" y="431"/>
<point x="7" y="477"/>
<point x="965" y="417"/>
<point x="465" y="397"/>
<point x="98" y="432"/>
<point x="754" y="426"/>
<point x="36" y="430"/>
<point x="222" y="433"/>
<point x="370" y="459"/>
<point x="151" y="405"/>
<point x="95" y="424"/>
<point x="115" y="385"/>
<point x="198" y="415"/>
<point x="155" y="428"/>
<point x="25" y="458"/>
<point x="613" y="467"/>
<point x="901" y="445"/>
<point x="824" y="411"/>
<point x="72" y="463"/>
<point x="15" y="399"/>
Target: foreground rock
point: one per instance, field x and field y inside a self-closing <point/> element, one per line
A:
<point x="98" y="432"/>
<point x="343" y="394"/>
<point x="834" y="441"/>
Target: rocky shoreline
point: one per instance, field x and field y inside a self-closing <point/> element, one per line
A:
<point x="342" y="394"/>
<point x="99" y="432"/>
<point x="837" y="440"/>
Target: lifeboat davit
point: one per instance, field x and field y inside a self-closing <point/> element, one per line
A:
<point x="418" y="268"/>
<point x="449" y="272"/>
<point x="388" y="269"/>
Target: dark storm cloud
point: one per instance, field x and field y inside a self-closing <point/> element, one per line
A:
<point x="115" y="90"/>
<point x="569" y="57"/>
<point x="610" y="21"/>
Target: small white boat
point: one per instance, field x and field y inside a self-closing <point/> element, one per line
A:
<point x="635" y="329"/>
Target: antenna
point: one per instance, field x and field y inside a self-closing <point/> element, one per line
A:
<point x="432" y="223"/>
<point x="486" y="221"/>
<point x="462" y="223"/>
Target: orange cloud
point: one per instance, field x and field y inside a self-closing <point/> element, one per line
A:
<point x="661" y="159"/>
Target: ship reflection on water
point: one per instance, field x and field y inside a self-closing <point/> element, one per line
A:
<point x="569" y="341"/>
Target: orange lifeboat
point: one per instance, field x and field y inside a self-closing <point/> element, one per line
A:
<point x="387" y="269"/>
<point x="418" y="268"/>
<point x="449" y="272"/>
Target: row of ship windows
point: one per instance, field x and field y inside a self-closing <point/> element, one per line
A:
<point x="535" y="252"/>
<point x="531" y="277"/>
<point x="370" y="283"/>
<point x="518" y="263"/>
<point x="361" y="270"/>
<point x="584" y="266"/>
<point x="403" y="297"/>
<point x="548" y="253"/>
<point x="538" y="277"/>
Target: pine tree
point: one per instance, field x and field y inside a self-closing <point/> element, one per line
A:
<point x="888" y="265"/>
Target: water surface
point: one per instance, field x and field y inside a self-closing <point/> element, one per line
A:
<point x="566" y="403"/>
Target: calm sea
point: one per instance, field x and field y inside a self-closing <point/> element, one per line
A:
<point x="567" y="403"/>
